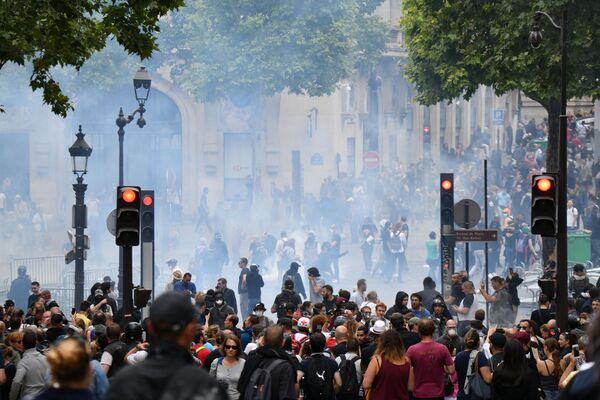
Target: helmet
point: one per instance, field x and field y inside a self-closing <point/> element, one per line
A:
<point x="133" y="330"/>
<point x="304" y="322"/>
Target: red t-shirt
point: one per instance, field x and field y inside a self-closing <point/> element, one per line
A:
<point x="428" y="360"/>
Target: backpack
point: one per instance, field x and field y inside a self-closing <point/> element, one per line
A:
<point x="350" y="384"/>
<point x="259" y="387"/>
<point x="297" y="344"/>
<point x="317" y="382"/>
<point x="396" y="243"/>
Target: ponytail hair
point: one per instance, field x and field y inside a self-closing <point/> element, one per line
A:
<point x="554" y="354"/>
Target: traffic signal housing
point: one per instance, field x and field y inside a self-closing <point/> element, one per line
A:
<point x="147" y="215"/>
<point x="447" y="203"/>
<point x="128" y="216"/>
<point x="544" y="205"/>
<point x="427" y="142"/>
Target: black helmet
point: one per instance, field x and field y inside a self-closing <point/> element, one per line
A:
<point x="133" y="331"/>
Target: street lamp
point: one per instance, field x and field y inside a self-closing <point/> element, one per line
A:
<point x="535" y="40"/>
<point x="141" y="87"/>
<point x="80" y="151"/>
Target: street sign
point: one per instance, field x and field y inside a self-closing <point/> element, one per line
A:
<point x="316" y="159"/>
<point x="499" y="116"/>
<point x="467" y="213"/>
<point x="111" y="222"/>
<point x="371" y="159"/>
<point x="476" y="235"/>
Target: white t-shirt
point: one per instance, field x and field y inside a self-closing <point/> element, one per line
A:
<point x="572" y="217"/>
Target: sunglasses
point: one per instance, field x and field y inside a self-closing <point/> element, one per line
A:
<point x="227" y="347"/>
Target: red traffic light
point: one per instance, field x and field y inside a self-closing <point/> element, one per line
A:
<point x="446" y="184"/>
<point x="544" y="184"/>
<point x="147" y="200"/>
<point x="129" y="196"/>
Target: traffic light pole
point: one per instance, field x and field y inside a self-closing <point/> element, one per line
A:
<point x="561" y="238"/>
<point x="127" y="282"/>
<point x="121" y="122"/>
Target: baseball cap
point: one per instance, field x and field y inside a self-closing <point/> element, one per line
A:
<point x="171" y="312"/>
<point x="522" y="337"/>
<point x="498" y="340"/>
<point x="260" y="306"/>
<point x="98" y="292"/>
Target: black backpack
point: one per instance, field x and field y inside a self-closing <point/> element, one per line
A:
<point x="260" y="385"/>
<point x="317" y="382"/>
<point x="350" y="384"/>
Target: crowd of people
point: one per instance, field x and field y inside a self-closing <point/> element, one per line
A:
<point x="316" y="343"/>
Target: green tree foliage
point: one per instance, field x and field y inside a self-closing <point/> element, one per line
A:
<point x="221" y="48"/>
<point x="455" y="46"/>
<point x="63" y="33"/>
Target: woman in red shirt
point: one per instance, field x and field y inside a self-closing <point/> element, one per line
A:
<point x="389" y="375"/>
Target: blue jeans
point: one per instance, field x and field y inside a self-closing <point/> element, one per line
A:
<point x="551" y="394"/>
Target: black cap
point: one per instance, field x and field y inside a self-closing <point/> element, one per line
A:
<point x="498" y="340"/>
<point x="171" y="312"/>
<point x="313" y="271"/>
<point x="295" y="265"/>
<point x="260" y="306"/>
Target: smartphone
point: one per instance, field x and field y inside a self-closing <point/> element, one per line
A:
<point x="72" y="310"/>
<point x="575" y="350"/>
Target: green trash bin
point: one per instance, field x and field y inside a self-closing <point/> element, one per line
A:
<point x="579" y="247"/>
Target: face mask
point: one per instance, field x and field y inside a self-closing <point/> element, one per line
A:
<point x="451" y="332"/>
<point x="367" y="315"/>
<point x="219" y="302"/>
<point x="260" y="313"/>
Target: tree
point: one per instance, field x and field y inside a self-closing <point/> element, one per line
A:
<point x="244" y="49"/>
<point x="63" y="33"/>
<point x="455" y="46"/>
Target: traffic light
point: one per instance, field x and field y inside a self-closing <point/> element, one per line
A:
<point x="447" y="203"/>
<point x="128" y="216"/>
<point x="544" y="201"/>
<point x="426" y="142"/>
<point x="147" y="215"/>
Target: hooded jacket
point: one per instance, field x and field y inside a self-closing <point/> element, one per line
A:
<point x="398" y="307"/>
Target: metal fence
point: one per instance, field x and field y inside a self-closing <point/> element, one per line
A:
<point x="52" y="274"/>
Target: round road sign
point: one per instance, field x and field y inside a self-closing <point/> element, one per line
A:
<point x="371" y="160"/>
<point x="467" y="213"/>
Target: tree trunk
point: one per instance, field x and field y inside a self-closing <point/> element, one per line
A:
<point x="553" y="109"/>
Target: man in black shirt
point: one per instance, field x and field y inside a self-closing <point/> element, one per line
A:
<point x="287" y="296"/>
<point x="456" y="294"/>
<point x="341" y="338"/>
<point x="228" y="294"/>
<point x="169" y="368"/>
<point x="408" y="338"/>
<point x="284" y="385"/>
<point x="328" y="297"/>
<point x="497" y="342"/>
<point x="543" y="314"/>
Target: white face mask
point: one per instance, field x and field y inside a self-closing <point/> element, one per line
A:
<point x="260" y="313"/>
<point x="451" y="332"/>
<point x="219" y="302"/>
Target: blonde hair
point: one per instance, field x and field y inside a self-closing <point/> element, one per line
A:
<point x="69" y="361"/>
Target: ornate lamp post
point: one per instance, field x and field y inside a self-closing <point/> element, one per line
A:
<point x="80" y="151"/>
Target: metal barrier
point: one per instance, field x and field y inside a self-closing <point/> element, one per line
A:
<point x="46" y="270"/>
